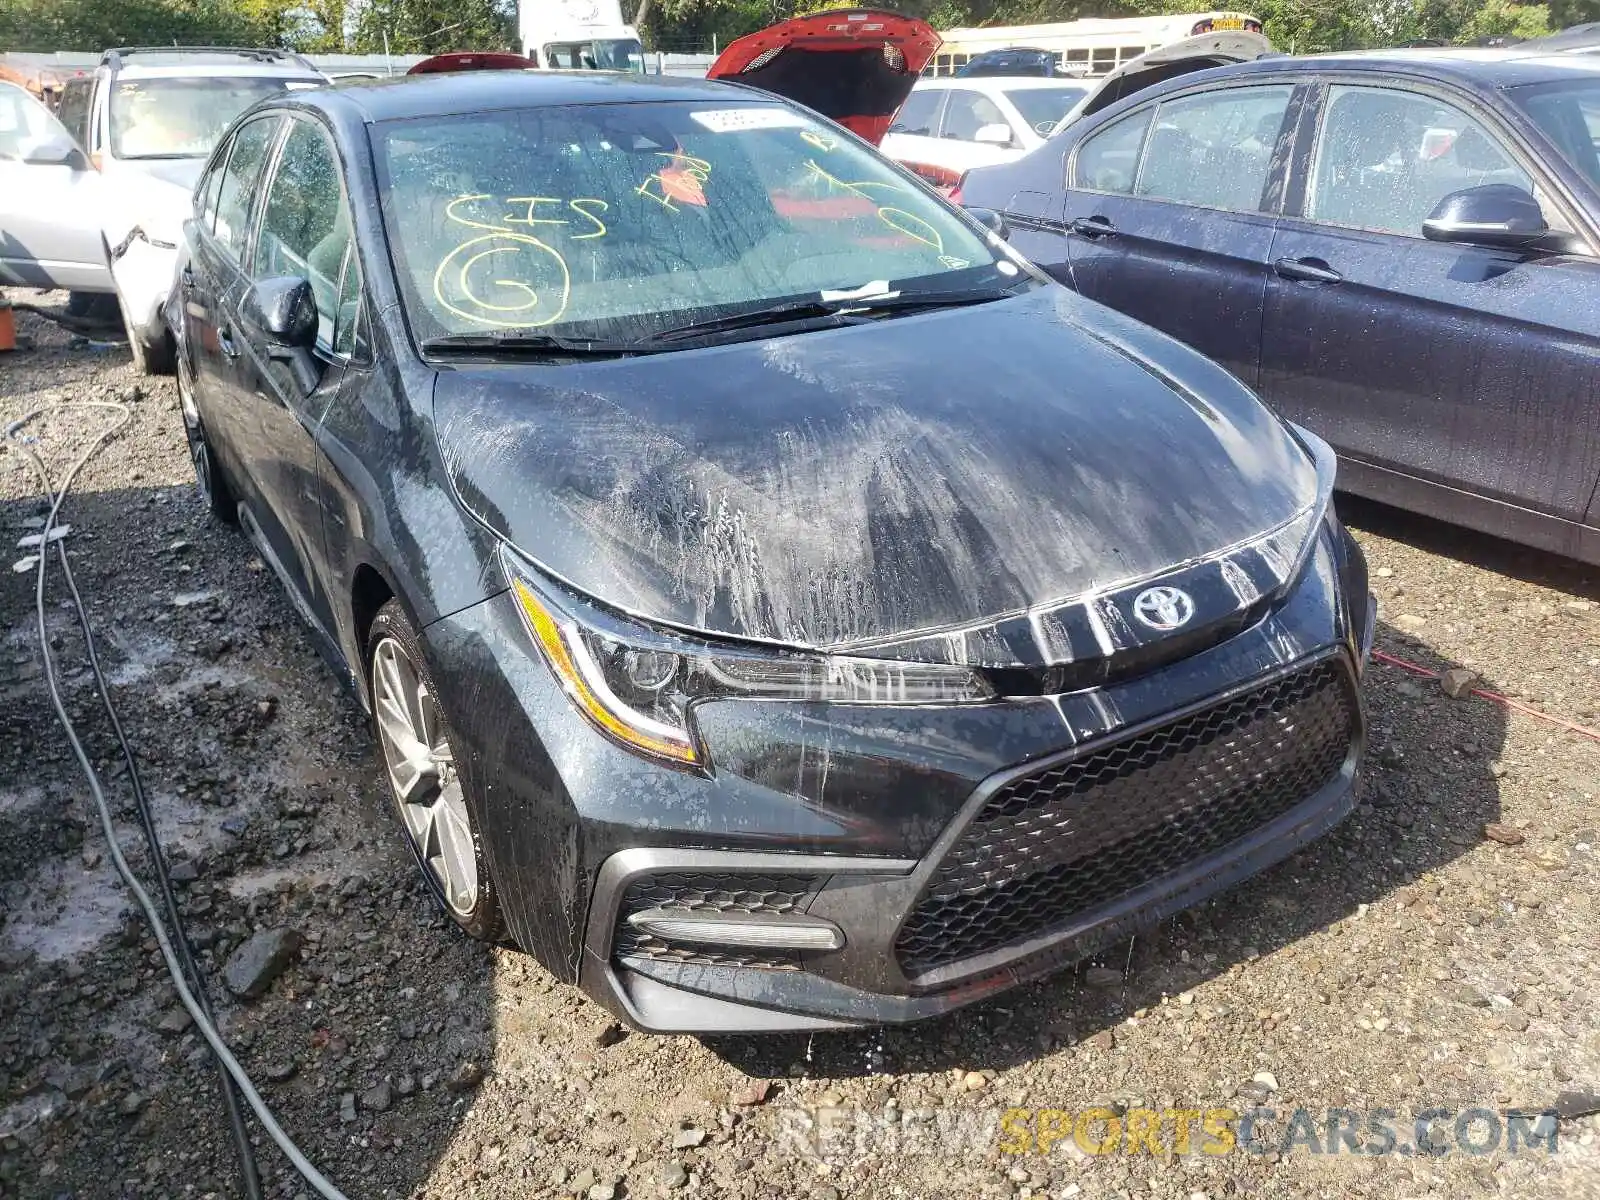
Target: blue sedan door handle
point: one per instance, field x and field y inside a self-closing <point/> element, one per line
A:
<point x="1092" y="227"/>
<point x="1307" y="270"/>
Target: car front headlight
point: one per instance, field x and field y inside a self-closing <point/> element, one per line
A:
<point x="637" y="684"/>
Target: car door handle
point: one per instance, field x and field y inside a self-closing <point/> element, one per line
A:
<point x="1092" y="227"/>
<point x="186" y="279"/>
<point x="1307" y="270"/>
<point x="226" y="343"/>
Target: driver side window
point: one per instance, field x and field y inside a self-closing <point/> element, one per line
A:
<point x="966" y="112"/>
<point x="305" y="228"/>
<point x="1385" y="158"/>
<point x="24" y="124"/>
<point x="237" y="191"/>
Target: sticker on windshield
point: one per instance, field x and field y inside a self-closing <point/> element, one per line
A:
<point x="764" y="116"/>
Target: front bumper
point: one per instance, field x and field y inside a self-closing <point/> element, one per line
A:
<point x="870" y="980"/>
<point x="144" y="275"/>
<point x="849" y="818"/>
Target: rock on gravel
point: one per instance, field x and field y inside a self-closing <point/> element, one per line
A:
<point x="672" y="1175"/>
<point x="1504" y="834"/>
<point x="1457" y="682"/>
<point x="756" y="1093"/>
<point x="378" y="1099"/>
<point x="261" y="959"/>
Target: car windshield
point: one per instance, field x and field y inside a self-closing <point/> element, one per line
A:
<point x="181" y="118"/>
<point x="1569" y="114"/>
<point x="619" y="221"/>
<point x="1042" y="108"/>
<point x="601" y="54"/>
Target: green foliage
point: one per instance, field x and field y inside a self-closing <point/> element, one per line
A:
<point x="94" y="25"/>
<point x="1500" y="17"/>
<point x="435" y="26"/>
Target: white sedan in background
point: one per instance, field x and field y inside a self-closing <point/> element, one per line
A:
<point x="950" y="124"/>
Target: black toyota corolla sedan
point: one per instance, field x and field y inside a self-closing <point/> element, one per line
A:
<point x="779" y="606"/>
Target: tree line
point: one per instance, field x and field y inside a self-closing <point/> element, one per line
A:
<point x="435" y="26"/>
<point x="309" y="26"/>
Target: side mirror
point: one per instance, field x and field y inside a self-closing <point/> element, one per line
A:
<point x="991" y="220"/>
<point x="1496" y="214"/>
<point x="56" y="150"/>
<point x="993" y="135"/>
<point x="282" y="312"/>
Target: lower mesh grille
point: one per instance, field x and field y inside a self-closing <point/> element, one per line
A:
<point x="761" y="895"/>
<point x="1073" y="837"/>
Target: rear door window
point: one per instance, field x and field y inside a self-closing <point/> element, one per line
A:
<point x="1385" y="159"/>
<point x="1108" y="161"/>
<point x="1214" y="150"/>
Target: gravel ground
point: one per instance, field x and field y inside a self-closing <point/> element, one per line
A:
<point x="1408" y="961"/>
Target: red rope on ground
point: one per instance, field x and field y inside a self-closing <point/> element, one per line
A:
<point x="1496" y="697"/>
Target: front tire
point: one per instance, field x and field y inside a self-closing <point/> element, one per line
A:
<point x="415" y="743"/>
<point x="149" y="358"/>
<point x="208" y="477"/>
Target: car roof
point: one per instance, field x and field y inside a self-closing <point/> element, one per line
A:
<point x="1008" y="83"/>
<point x="455" y="94"/>
<point x="1468" y="66"/>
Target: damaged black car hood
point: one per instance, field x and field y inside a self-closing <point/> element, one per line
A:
<point x="921" y="475"/>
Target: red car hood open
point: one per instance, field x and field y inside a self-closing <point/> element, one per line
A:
<point x="854" y="65"/>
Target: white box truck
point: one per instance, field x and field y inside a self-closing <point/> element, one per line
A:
<point x="579" y="35"/>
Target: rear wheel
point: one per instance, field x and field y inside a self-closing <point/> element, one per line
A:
<point x="420" y="766"/>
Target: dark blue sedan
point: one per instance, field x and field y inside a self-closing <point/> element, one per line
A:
<point x="1396" y="249"/>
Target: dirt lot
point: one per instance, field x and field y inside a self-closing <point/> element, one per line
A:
<point x="1405" y="962"/>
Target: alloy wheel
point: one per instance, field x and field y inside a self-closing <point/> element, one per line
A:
<point x="422" y="772"/>
<point x="199" y="452"/>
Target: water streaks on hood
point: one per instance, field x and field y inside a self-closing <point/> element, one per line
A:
<point x="920" y="473"/>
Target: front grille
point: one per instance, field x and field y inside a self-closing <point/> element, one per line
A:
<point x="765" y="895"/>
<point x="1070" y="838"/>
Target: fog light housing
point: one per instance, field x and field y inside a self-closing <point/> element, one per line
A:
<point x="739" y="929"/>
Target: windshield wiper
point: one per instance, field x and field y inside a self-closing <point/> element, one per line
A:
<point x="847" y="311"/>
<point x="778" y="314"/>
<point x="900" y="301"/>
<point x="528" y="341"/>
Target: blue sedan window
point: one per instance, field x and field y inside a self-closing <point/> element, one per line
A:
<point x="1386" y="158"/>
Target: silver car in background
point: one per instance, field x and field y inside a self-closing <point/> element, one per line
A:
<point x="109" y="218"/>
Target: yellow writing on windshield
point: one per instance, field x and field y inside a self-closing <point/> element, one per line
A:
<point x="680" y="180"/>
<point x="898" y="219"/>
<point x="504" y="262"/>
<point x="509" y="278"/>
<point x="825" y="142"/>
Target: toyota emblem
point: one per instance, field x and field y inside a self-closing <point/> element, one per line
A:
<point x="1163" y="608"/>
